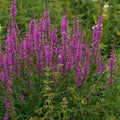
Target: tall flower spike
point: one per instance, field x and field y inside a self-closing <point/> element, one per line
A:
<point x="86" y="62"/>
<point x="75" y="36"/>
<point x="13" y="16"/>
<point x="54" y="41"/>
<point x="78" y="60"/>
<point x="47" y="26"/>
<point x="13" y="12"/>
<point x="97" y="34"/>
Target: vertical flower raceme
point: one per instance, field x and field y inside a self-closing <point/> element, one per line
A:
<point x="40" y="34"/>
<point x="7" y="108"/>
<point x="34" y="36"/>
<point x="30" y="37"/>
<point x="54" y="42"/>
<point x="8" y="83"/>
<point x="40" y="46"/>
<point x="75" y="36"/>
<point x="61" y="59"/>
<point x="8" y="69"/>
<point x="8" y="44"/>
<point x="78" y="60"/>
<point x="40" y="62"/>
<point x="111" y="67"/>
<point x="49" y="54"/>
<point x="86" y="61"/>
<point x="97" y="33"/>
<point x="13" y="16"/>
<point x="14" y="32"/>
<point x="67" y="63"/>
<point x="13" y="13"/>
<point x="48" y="51"/>
<point x="64" y="30"/>
<point x="47" y="26"/>
<point x="14" y="52"/>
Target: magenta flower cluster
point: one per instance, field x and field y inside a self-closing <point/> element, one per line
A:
<point x="111" y="70"/>
<point x="41" y="48"/>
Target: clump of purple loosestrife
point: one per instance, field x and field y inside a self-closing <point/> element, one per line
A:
<point x="41" y="49"/>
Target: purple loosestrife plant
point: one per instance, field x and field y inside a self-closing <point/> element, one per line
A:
<point x="86" y="61"/>
<point x="13" y="13"/>
<point x="64" y="30"/>
<point x="40" y="49"/>
<point x="14" y="52"/>
<point x="8" y="70"/>
<point x="8" y="45"/>
<point x="47" y="26"/>
<point x="54" y="41"/>
<point x="77" y="52"/>
<point x="13" y="39"/>
<point x="78" y="60"/>
<point x="97" y="34"/>
<point x="30" y="36"/>
<point x="75" y="37"/>
<point x="7" y="108"/>
<point x="48" y="50"/>
<point x="66" y="57"/>
<point x="13" y="16"/>
<point x="41" y="45"/>
<point x="34" y="37"/>
<point x="8" y="82"/>
<point x="111" y="70"/>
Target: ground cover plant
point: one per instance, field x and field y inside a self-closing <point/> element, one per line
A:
<point x="46" y="77"/>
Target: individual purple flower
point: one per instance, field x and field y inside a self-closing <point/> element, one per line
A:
<point x="6" y="116"/>
<point x="9" y="91"/>
<point x="105" y="86"/>
<point x="21" y="97"/>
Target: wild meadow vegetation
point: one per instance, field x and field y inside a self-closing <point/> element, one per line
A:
<point x="55" y="68"/>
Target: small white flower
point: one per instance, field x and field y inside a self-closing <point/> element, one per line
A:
<point x="59" y="56"/>
<point x="105" y="8"/>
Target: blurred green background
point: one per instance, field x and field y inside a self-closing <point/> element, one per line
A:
<point x="87" y="13"/>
